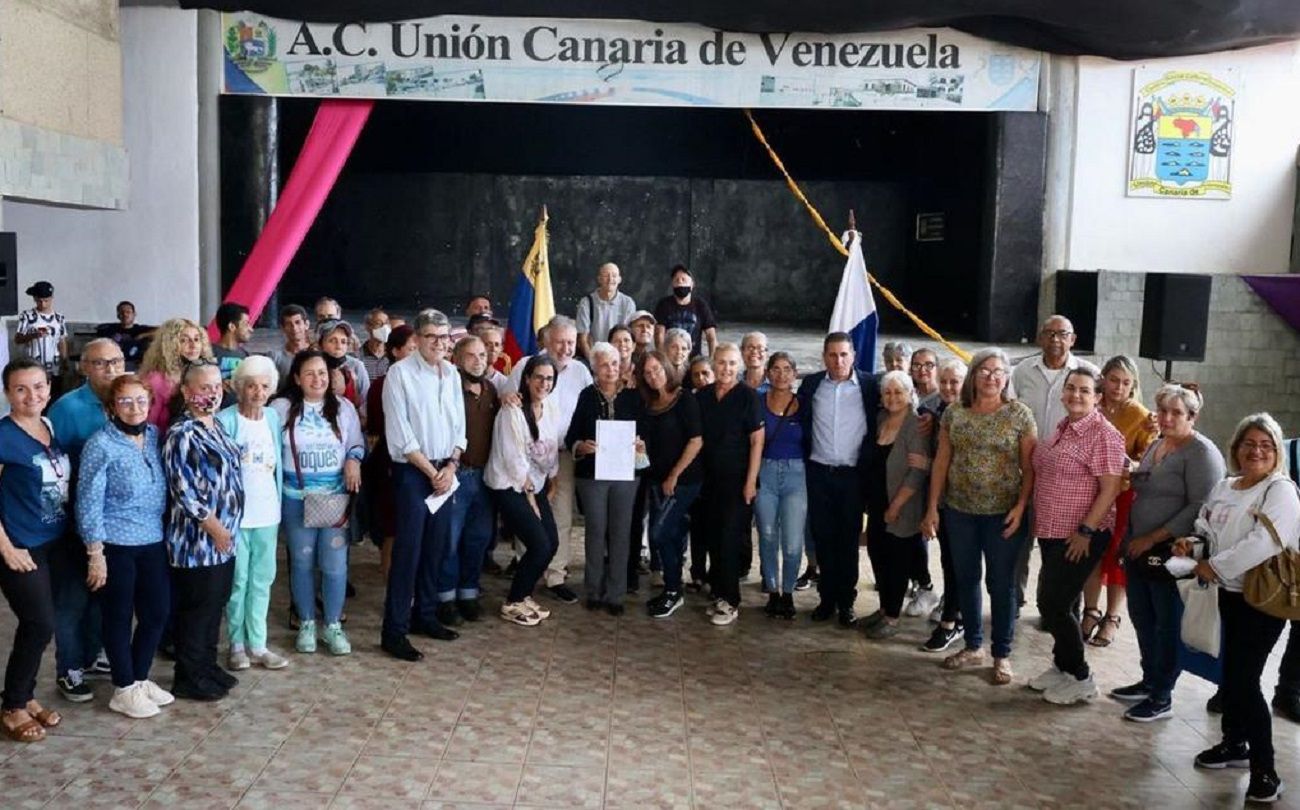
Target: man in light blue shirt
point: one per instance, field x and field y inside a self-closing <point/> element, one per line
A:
<point x="838" y="407"/>
<point x="76" y="416"/>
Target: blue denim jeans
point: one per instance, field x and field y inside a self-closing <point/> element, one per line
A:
<point x="781" y="511"/>
<point x="1156" y="610"/>
<point x="78" y="624"/>
<point x="976" y="540"/>
<point x="325" y="550"/>
<point x="472" y="525"/>
<point x="668" y="525"/>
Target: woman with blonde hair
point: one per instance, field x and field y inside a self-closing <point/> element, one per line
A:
<point x="1121" y="404"/>
<point x="177" y="343"/>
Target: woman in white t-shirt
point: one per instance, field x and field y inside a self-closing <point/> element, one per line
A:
<point x="256" y="429"/>
<point x="1240" y="526"/>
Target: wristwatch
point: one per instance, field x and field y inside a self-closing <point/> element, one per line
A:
<point x="1086" y="530"/>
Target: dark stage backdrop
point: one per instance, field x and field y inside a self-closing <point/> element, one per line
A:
<point x="439" y="202"/>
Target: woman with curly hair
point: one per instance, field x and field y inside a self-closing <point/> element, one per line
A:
<point x="177" y="343"/>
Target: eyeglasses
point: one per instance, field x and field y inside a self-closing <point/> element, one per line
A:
<point x="1057" y="333"/>
<point x="127" y="402"/>
<point x="991" y="373"/>
<point x="549" y="380"/>
<point x="112" y="362"/>
<point x="1267" y="448"/>
<point x="926" y="366"/>
<point x="437" y="337"/>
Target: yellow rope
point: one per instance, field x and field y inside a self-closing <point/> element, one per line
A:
<point x="821" y="223"/>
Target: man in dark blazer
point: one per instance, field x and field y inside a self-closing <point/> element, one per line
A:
<point x="838" y="408"/>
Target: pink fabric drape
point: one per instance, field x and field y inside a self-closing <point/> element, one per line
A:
<point x="333" y="134"/>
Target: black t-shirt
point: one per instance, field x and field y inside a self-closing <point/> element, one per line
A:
<point x="128" y="340"/>
<point x="666" y="434"/>
<point x="694" y="318"/>
<point x="727" y="424"/>
<point x="591" y="406"/>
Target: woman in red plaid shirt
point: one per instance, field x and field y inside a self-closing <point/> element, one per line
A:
<point x="1077" y="473"/>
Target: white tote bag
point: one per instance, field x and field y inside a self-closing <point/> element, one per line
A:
<point x="1200" y="628"/>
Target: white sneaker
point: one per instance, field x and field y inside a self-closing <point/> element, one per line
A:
<point x="715" y="606"/>
<point x="132" y="702"/>
<point x="724" y="613"/>
<point x="542" y="613"/>
<point x="1048" y="679"/>
<point x="519" y="613"/>
<point x="1072" y="691"/>
<point x="238" y="661"/>
<point x="156" y="694"/>
<point x="925" y="601"/>
<point x="270" y="660"/>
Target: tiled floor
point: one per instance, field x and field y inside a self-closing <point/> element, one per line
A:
<point x="591" y="711"/>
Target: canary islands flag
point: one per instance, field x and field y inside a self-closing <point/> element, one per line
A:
<point x="855" y="308"/>
<point x="533" y="304"/>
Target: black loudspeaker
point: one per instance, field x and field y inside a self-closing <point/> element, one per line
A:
<point x="1076" y="299"/>
<point x="1175" y="315"/>
<point x="8" y="273"/>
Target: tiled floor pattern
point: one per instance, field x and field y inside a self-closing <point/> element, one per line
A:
<point x="591" y="711"/>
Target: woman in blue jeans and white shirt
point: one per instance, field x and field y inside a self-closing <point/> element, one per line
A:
<point x="323" y="448"/>
<point x="1172" y="480"/>
<point x="1246" y="520"/>
<point x="121" y="497"/>
<point x="781" y="506"/>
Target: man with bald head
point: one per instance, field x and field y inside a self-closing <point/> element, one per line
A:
<point x="1037" y="381"/>
<point x="77" y="625"/>
<point x="602" y="309"/>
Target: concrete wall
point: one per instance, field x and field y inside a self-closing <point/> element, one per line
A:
<point x="1250" y="233"/>
<point x="148" y="252"/>
<point x="1250" y="360"/>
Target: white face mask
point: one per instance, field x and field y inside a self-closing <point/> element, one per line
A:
<point x="381" y="333"/>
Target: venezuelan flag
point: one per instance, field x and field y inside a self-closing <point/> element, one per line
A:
<point x="533" y="304"/>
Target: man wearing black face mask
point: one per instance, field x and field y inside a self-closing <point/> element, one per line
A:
<point x="685" y="310"/>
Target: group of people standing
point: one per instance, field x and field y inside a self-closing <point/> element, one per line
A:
<point x="165" y="492"/>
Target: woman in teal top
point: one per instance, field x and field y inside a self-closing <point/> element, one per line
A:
<point x="34" y="473"/>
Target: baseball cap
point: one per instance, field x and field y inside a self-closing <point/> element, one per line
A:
<point x="641" y="313"/>
<point x="41" y="289"/>
<point x="328" y="327"/>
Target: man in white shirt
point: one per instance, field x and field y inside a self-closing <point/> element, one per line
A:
<point x="602" y="309"/>
<point x="43" y="333"/>
<point x="424" y="426"/>
<point x="1037" y="381"/>
<point x="571" y="378"/>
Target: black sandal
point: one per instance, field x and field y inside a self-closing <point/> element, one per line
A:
<point x="1097" y="619"/>
<point x="1098" y="640"/>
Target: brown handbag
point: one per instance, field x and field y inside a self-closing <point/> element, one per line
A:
<point x="1273" y="586"/>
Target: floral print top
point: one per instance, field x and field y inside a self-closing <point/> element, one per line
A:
<point x="204" y="477"/>
<point x="984" y="474"/>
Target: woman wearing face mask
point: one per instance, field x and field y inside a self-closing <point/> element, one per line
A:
<point x="34" y="475"/>
<point x="348" y="375"/>
<point x="607" y="505"/>
<point x="257" y="431"/>
<point x="121" y="497"/>
<point x="206" y="487"/>
<point x="177" y="342"/>
<point x="687" y="311"/>
<point x="323" y="449"/>
<point x="376" y="470"/>
<point x="733" y="449"/>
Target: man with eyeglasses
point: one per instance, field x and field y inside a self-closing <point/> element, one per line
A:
<point x="424" y="426"/>
<point x="1038" y="381"/>
<point x="76" y="416"/>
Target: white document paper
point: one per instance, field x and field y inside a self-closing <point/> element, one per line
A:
<point x="435" y="502"/>
<point x="615" y="450"/>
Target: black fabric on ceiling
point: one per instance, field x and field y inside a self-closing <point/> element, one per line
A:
<point x="1122" y="29"/>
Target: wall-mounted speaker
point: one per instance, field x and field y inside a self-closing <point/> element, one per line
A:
<point x="1076" y="299"/>
<point x="1175" y="316"/>
<point x="8" y="273"/>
